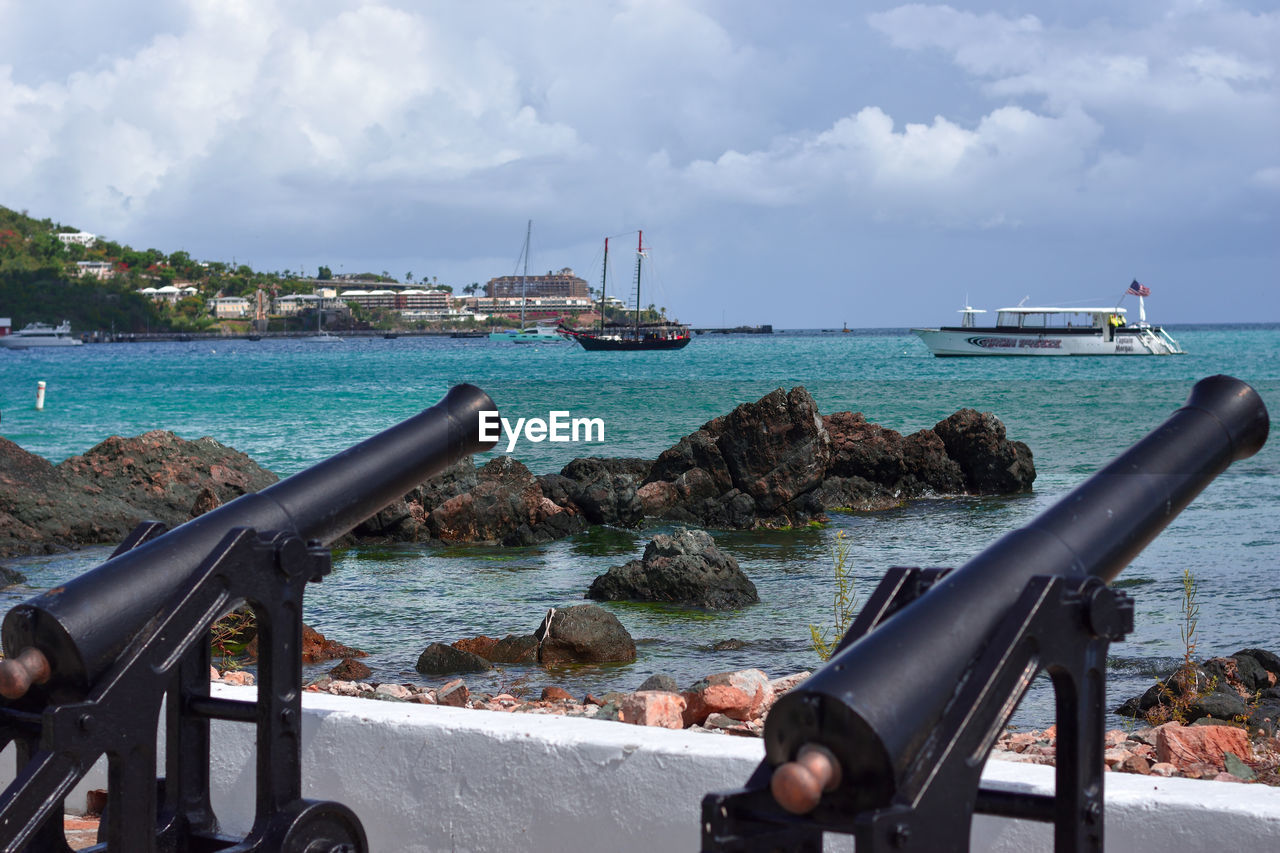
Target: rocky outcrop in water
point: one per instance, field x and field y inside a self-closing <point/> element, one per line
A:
<point x="776" y="462"/>
<point x="1244" y="686"/>
<point x="584" y="633"/>
<point x="684" y="568"/>
<point x="98" y="497"/>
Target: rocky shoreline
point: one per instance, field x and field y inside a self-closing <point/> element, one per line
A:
<point x="776" y="462"/>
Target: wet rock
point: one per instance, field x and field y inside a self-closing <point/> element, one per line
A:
<point x="683" y="568"/>
<point x="991" y="463"/>
<point x="514" y="648"/>
<point x="439" y="659"/>
<point x="744" y="469"/>
<point x="9" y="577"/>
<point x="556" y="694"/>
<point x="584" y="633"/>
<point x="510" y="649"/>
<point x="315" y="647"/>
<point x="482" y="645"/>
<point x="506" y="507"/>
<point x="459" y="478"/>
<point x="99" y="496"/>
<point x="603" y="490"/>
<point x="350" y="669"/>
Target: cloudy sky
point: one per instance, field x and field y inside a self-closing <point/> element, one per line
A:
<point x="801" y="164"/>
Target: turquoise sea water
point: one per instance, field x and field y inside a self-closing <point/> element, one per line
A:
<point x="289" y="405"/>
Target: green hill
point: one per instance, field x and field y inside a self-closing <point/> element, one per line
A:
<point x="40" y="281"/>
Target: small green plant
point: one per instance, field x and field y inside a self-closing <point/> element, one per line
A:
<point x="844" y="602"/>
<point x="230" y="635"/>
<point x="1183" y="689"/>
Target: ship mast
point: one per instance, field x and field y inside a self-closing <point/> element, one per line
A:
<point x="639" y="257"/>
<point x="524" y="278"/>
<point x="604" y="275"/>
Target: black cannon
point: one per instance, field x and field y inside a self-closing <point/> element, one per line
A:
<point x="895" y="761"/>
<point x="89" y="664"/>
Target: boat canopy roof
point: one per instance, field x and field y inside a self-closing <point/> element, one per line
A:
<point x="1021" y="310"/>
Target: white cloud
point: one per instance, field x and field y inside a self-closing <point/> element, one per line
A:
<point x="371" y="93"/>
<point x="1006" y="168"/>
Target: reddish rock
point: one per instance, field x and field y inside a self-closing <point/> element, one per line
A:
<point x="1187" y="746"/>
<point x="1115" y="737"/>
<point x="1163" y="768"/>
<point x="506" y="507"/>
<point x="1134" y="764"/>
<point x="1019" y="741"/>
<point x="653" y="708"/>
<point x="556" y="694"/>
<point x="1115" y="755"/>
<point x="453" y="694"/>
<point x="100" y="496"/>
<point x="741" y="695"/>
<point x="482" y="646"/>
<point x="350" y="669"/>
<point x="238" y="677"/>
<point x="316" y="648"/>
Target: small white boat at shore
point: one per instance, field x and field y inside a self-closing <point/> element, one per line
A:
<point x="321" y="338"/>
<point x="35" y="335"/>
<point x="1047" y="331"/>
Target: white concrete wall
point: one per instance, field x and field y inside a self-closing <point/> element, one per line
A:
<point x="425" y="778"/>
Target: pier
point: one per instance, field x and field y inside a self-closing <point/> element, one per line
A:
<point x="765" y="329"/>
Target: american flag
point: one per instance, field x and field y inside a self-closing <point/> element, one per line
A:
<point x="1138" y="289"/>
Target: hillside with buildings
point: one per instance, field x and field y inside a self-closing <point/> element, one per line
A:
<point x="51" y="272"/>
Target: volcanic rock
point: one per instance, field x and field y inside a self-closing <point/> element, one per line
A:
<point x="439" y="659"/>
<point x="755" y="465"/>
<point x="684" y="568"/>
<point x="506" y="507"/>
<point x="585" y="633"/>
<point x="350" y="669"/>
<point x="510" y="649"/>
<point x="603" y="490"/>
<point x="98" y="497"/>
<point x="991" y="463"/>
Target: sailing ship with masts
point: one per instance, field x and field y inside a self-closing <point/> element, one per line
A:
<point x="527" y="334"/>
<point x="634" y="335"/>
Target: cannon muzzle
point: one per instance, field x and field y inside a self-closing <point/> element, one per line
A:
<point x="69" y="636"/>
<point x="859" y="722"/>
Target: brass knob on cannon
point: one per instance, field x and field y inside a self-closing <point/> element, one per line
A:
<point x="798" y="785"/>
<point x="17" y="674"/>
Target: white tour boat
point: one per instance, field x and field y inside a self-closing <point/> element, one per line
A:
<point x="41" y="335"/>
<point x="1050" y="331"/>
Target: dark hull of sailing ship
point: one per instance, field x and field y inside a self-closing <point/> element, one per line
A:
<point x="661" y="336"/>
<point x="621" y="337"/>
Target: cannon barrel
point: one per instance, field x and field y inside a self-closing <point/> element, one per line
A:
<point x="70" y="635"/>
<point x="864" y="716"/>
